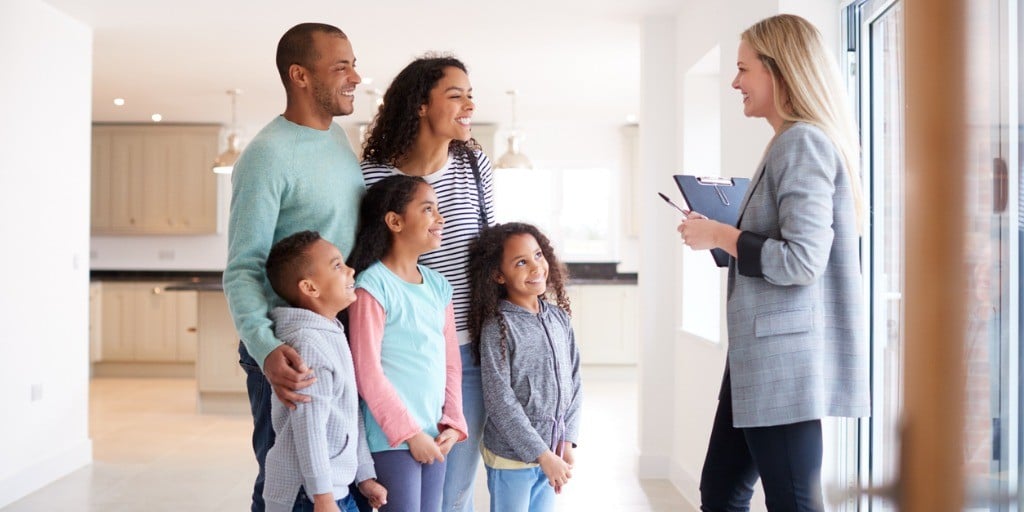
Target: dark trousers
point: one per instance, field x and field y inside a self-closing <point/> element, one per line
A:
<point x="787" y="458"/>
<point x="260" y="394"/>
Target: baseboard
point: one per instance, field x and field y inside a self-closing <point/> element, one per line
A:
<point x="209" y="402"/>
<point x="45" y="472"/>
<point x="652" y="467"/>
<point x="686" y="484"/>
<point x="144" y="370"/>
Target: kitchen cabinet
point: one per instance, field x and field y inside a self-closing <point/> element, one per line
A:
<point x="141" y="322"/>
<point x="154" y="179"/>
<point x="604" y="321"/>
<point x="219" y="378"/>
<point x="95" y="320"/>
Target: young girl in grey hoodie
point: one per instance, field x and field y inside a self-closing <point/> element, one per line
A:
<point x="529" y="365"/>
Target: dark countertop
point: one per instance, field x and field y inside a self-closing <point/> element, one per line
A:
<point x="182" y="280"/>
<point x="155" y="275"/>
<point x="185" y="280"/>
<point x="599" y="273"/>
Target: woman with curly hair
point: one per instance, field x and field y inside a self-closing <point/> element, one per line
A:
<point x="529" y="364"/>
<point x="423" y="129"/>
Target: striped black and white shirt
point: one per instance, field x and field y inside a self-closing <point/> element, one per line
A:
<point x="459" y="204"/>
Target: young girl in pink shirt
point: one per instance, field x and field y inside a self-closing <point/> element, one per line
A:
<point x="406" y="353"/>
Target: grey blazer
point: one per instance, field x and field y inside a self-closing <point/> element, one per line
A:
<point x="797" y="347"/>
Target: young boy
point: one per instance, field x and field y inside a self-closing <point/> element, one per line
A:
<point x="321" y="445"/>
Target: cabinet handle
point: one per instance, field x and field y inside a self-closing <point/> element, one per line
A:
<point x="192" y="330"/>
<point x="157" y="290"/>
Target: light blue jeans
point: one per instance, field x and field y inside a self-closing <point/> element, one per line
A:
<point x="304" y="504"/>
<point x="520" y="490"/>
<point x="462" y="461"/>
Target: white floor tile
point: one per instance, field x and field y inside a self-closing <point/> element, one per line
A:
<point x="153" y="452"/>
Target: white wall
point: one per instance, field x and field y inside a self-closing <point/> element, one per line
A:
<point x="676" y="422"/>
<point x="45" y="95"/>
<point x="659" y="157"/>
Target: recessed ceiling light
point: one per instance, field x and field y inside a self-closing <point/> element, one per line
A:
<point x="119" y="101"/>
<point x="631" y="118"/>
<point x="366" y="80"/>
<point x="157" y="118"/>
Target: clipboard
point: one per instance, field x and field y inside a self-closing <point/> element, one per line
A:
<point x="716" y="198"/>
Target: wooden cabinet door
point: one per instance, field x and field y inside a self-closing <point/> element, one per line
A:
<point x="95" y="321"/>
<point x="158" y="173"/>
<point x="217" y="368"/>
<point x="126" y="161"/>
<point x="605" y="323"/>
<point x="118" y="320"/>
<point x="186" y="325"/>
<point x="102" y="181"/>
<point x="155" y="323"/>
<point x="194" y="187"/>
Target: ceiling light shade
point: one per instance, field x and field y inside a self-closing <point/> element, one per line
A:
<point x="513" y="157"/>
<point x="225" y="161"/>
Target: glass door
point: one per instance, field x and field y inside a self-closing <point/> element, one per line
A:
<point x="992" y="365"/>
<point x="995" y="229"/>
<point x="875" y="44"/>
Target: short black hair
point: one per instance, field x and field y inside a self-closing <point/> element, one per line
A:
<point x="288" y="263"/>
<point x="296" y="47"/>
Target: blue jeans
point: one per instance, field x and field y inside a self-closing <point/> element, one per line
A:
<point x="520" y="490"/>
<point x="303" y="503"/>
<point x="260" y="394"/>
<point x="462" y="461"/>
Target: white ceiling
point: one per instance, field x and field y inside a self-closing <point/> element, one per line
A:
<point x="570" y="59"/>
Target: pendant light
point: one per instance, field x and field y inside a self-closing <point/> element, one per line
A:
<point x="225" y="161"/>
<point x="513" y="158"/>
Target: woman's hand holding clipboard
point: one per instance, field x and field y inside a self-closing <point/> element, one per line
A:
<point x="717" y="199"/>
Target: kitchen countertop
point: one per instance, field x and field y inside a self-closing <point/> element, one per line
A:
<point x="185" y="280"/>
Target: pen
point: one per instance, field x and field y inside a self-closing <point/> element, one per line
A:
<point x="676" y="206"/>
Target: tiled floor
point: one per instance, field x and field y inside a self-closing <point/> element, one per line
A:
<point x="153" y="452"/>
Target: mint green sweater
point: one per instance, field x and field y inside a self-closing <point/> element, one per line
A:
<point x="289" y="178"/>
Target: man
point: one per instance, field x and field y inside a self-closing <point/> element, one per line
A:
<point x="298" y="173"/>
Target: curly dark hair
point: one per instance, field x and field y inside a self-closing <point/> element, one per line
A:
<point x="397" y="121"/>
<point x="373" y="237"/>
<point x="288" y="263"/>
<point x="296" y="47"/>
<point x="485" y="256"/>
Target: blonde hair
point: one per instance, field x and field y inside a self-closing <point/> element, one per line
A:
<point x="791" y="48"/>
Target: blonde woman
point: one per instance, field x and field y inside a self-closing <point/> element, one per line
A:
<point x="797" y="350"/>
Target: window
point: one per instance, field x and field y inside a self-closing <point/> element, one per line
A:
<point x="575" y="208"/>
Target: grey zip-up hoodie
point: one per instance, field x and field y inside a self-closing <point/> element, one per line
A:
<point x="321" y="445"/>
<point x="532" y="392"/>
